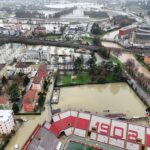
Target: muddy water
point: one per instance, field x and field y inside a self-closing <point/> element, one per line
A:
<point x="118" y="98"/>
<point x="124" y="58"/>
<point x="110" y="45"/>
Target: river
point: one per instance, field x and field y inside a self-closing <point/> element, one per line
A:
<point x="116" y="97"/>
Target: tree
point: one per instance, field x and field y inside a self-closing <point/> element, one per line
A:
<point x="41" y="100"/>
<point x="78" y="64"/>
<point x="4" y="80"/>
<point x="105" y="53"/>
<point x="130" y="65"/>
<point x="96" y="41"/>
<point x="91" y="65"/>
<point x="15" y="108"/>
<point x="26" y="81"/>
<point x="14" y="92"/>
<point x="45" y="86"/>
<point x="96" y="30"/>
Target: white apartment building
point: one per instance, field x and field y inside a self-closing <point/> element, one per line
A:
<point x="6" y="121"/>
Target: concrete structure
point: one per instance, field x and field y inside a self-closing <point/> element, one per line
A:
<point x="36" y="56"/>
<point x="142" y="35"/>
<point x="6" y="121"/>
<point x="126" y="31"/>
<point x="42" y="139"/>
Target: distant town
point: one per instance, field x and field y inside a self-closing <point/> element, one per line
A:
<point x="75" y="75"/>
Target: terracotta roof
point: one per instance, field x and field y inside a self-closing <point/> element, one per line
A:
<point x="42" y="67"/>
<point x="37" y="79"/>
<point x="42" y="71"/>
<point x="30" y="96"/>
<point x="42" y="74"/>
<point x="3" y="100"/>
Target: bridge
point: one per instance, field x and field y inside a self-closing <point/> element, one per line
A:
<point x="42" y="41"/>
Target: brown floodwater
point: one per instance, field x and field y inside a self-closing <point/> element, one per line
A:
<point x="117" y="97"/>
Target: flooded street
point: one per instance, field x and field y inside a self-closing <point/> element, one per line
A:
<point x="110" y="45"/>
<point x="26" y="129"/>
<point x="125" y="56"/>
<point x="117" y="97"/>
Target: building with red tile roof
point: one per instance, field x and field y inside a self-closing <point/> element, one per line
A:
<point x="40" y="30"/>
<point x="30" y="100"/>
<point x="41" y="75"/>
<point x="42" y="71"/>
<point x="4" y="101"/>
<point x="37" y="83"/>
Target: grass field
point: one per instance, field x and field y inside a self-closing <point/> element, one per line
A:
<point x="76" y="146"/>
<point x="82" y="78"/>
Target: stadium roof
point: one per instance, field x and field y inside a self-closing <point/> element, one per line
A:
<point x="44" y="140"/>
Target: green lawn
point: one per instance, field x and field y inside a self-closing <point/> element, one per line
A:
<point x="87" y="39"/>
<point x="76" y="146"/>
<point x="82" y="78"/>
<point x="54" y="37"/>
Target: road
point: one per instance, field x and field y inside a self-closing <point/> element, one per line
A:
<point x="138" y="89"/>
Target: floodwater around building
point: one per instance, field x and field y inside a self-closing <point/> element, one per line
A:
<point x="27" y="128"/>
<point x="110" y="44"/>
<point x="116" y="97"/>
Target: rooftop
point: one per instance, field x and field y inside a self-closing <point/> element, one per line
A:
<point x="22" y="65"/>
<point x="45" y="140"/>
<point x="37" y="79"/>
<point x="30" y="96"/>
<point x="3" y="100"/>
<point x="4" y="115"/>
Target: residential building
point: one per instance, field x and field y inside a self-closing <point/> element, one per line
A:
<point x="40" y="30"/>
<point x="36" y="56"/>
<point x="7" y="122"/>
<point x="30" y="100"/>
<point x="23" y="67"/>
<point x="37" y="83"/>
<point x="4" y="102"/>
<point x="42" y="71"/>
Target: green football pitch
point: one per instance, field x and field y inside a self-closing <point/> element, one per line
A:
<point x="76" y="146"/>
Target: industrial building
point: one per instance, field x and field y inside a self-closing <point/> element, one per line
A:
<point x="142" y="35"/>
<point x="127" y="31"/>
